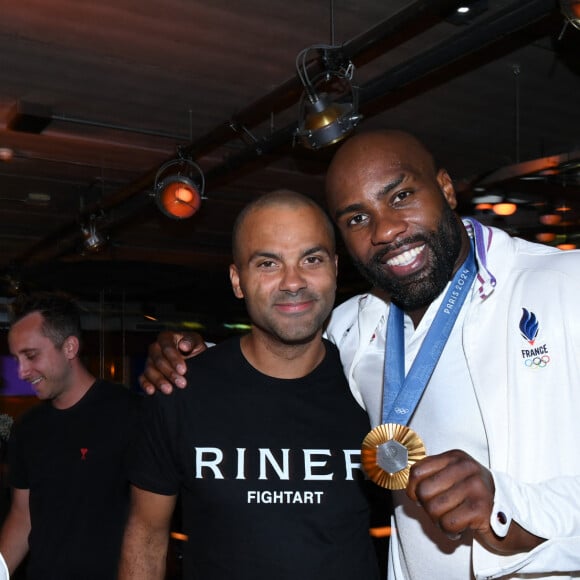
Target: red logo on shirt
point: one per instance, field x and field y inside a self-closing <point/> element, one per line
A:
<point x="84" y="452"/>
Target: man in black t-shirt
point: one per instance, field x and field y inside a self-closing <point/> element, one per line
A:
<point x="264" y="450"/>
<point x="70" y="493"/>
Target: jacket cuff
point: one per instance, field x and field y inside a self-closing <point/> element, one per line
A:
<point x="501" y="513"/>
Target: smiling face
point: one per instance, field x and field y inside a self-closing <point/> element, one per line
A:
<point x="285" y="270"/>
<point x="395" y="213"/>
<point x="43" y="364"/>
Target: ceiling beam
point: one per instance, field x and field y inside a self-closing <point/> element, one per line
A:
<point x="390" y="32"/>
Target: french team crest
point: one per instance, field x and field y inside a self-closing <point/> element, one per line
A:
<point x="529" y="326"/>
<point x="535" y="356"/>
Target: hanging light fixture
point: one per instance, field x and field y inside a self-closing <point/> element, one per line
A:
<point x="179" y="186"/>
<point x="571" y="11"/>
<point x="329" y="105"/>
<point x="93" y="240"/>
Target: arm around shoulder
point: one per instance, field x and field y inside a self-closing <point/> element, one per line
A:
<point x="144" y="552"/>
<point x="165" y="365"/>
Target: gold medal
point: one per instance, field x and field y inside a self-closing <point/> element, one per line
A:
<point x="388" y="452"/>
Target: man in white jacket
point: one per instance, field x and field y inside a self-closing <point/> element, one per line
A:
<point x="506" y="390"/>
<point x="497" y="495"/>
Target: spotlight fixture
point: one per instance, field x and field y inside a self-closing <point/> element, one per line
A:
<point x="177" y="192"/>
<point x="329" y="104"/>
<point x="92" y="239"/>
<point x="571" y="11"/>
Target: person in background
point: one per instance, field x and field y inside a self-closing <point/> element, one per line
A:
<point x="497" y="495"/>
<point x="70" y="494"/>
<point x="265" y="450"/>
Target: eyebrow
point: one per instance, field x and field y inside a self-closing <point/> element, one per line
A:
<point x="26" y="351"/>
<point x="388" y="187"/>
<point x="315" y="250"/>
<point x="274" y="256"/>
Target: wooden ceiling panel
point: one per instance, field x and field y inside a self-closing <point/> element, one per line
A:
<point x="127" y="83"/>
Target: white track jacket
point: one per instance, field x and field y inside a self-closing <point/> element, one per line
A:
<point x="521" y="341"/>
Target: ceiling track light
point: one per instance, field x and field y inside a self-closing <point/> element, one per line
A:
<point x="179" y="188"/>
<point x="571" y="11"/>
<point x="93" y="240"/>
<point x="329" y="105"/>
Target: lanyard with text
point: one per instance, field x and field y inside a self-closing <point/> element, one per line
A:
<point x="394" y="446"/>
<point x="402" y="393"/>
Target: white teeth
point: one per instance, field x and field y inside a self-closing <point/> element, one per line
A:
<point x="406" y="257"/>
<point x="35" y="381"/>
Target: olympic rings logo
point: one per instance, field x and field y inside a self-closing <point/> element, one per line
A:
<point x="537" y="362"/>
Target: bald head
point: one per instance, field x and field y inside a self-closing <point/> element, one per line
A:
<point x="369" y="154"/>
<point x="276" y="199"/>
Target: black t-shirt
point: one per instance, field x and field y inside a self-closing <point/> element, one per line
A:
<point x="267" y="470"/>
<point x="73" y="462"/>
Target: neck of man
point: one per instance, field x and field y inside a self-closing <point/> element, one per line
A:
<point x="80" y="381"/>
<point x="280" y="360"/>
<point x="417" y="314"/>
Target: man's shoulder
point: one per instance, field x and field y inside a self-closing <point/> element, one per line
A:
<point x="222" y="351"/>
<point x="347" y="311"/>
<point x="531" y="256"/>
<point x="116" y="397"/>
<point x="221" y="362"/>
<point x="346" y="314"/>
<point x="115" y="390"/>
<point x="31" y="416"/>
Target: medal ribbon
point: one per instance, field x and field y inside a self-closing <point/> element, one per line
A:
<point x="401" y="394"/>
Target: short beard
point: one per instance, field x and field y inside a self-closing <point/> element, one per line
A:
<point x="420" y="289"/>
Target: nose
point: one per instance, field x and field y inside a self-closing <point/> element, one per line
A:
<point x="23" y="369"/>
<point x="387" y="228"/>
<point x="292" y="280"/>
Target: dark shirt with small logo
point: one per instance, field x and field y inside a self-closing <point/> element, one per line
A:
<point x="73" y="463"/>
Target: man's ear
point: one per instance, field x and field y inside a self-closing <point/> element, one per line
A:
<point x="235" y="280"/>
<point x="71" y="347"/>
<point x="447" y="188"/>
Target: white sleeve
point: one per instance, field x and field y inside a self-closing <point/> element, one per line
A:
<point x="551" y="510"/>
<point x="4" y="575"/>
